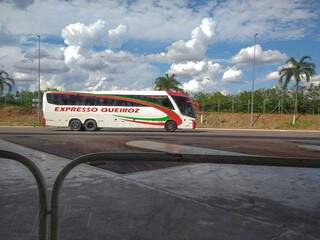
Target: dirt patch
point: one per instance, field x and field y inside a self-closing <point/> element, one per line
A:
<point x="17" y="116"/>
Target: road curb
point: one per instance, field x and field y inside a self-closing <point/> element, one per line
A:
<point x="259" y="130"/>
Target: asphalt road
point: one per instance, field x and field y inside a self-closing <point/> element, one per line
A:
<point x="69" y="144"/>
<point x="160" y="200"/>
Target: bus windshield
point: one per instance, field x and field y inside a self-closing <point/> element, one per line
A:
<point x="185" y="105"/>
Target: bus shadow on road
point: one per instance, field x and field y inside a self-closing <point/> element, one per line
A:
<point x="141" y="130"/>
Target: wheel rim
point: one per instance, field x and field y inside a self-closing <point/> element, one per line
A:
<point x="75" y="125"/>
<point x="171" y="126"/>
<point x="90" y="125"/>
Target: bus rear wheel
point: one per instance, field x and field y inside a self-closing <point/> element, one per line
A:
<point x="90" y="125"/>
<point x="170" y="126"/>
<point x="75" y="125"/>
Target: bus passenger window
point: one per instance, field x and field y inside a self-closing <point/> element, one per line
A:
<point x="85" y="100"/>
<point x="53" y="98"/>
<point x="103" y="101"/>
<point x="67" y="100"/>
<point x="50" y="98"/>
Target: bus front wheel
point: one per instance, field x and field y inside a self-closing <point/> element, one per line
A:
<point x="170" y="126"/>
<point x="75" y="125"/>
<point x="90" y="125"/>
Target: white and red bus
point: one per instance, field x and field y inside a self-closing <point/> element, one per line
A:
<point x="91" y="111"/>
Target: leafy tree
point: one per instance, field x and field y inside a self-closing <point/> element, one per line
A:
<point x="167" y="82"/>
<point x="5" y="80"/>
<point x="296" y="70"/>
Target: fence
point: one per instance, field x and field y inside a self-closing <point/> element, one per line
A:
<point x="280" y="105"/>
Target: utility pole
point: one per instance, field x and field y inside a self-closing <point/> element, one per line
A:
<point x="202" y="115"/>
<point x="101" y="57"/>
<point x="38" y="119"/>
<point x="264" y="106"/>
<point x="253" y="75"/>
<point x="219" y="105"/>
<point x="232" y="104"/>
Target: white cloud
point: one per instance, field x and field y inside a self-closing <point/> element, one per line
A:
<point x="49" y="53"/>
<point x="193" y="49"/>
<point x="47" y="66"/>
<point x="8" y="56"/>
<point x="72" y="55"/>
<point x="203" y="74"/>
<point x="245" y="56"/>
<point x="232" y="75"/>
<point x="273" y="76"/>
<point x="120" y="56"/>
<point x="114" y="67"/>
<point x="80" y="38"/>
<point x="188" y="68"/>
<point x="238" y="20"/>
<point x="117" y="36"/>
<point x="162" y="21"/>
<point x="197" y="85"/>
<point x="315" y="81"/>
<point x="315" y="78"/>
<point x="20" y="76"/>
<point x="85" y="36"/>
<point x="124" y="75"/>
<point x="7" y="38"/>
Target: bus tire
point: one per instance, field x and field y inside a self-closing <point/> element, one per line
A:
<point x="75" y="125"/>
<point x="170" y="126"/>
<point x="90" y="125"/>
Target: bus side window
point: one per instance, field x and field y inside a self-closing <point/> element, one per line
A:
<point x="63" y="100"/>
<point x="80" y="100"/>
<point x="53" y="98"/>
<point x="67" y="100"/>
<point x="72" y="100"/>
<point x="50" y="97"/>
<point x="85" y="100"/>
<point x="90" y="100"/>
<point x="167" y="103"/>
<point x="102" y="101"/>
<point x="56" y="99"/>
<point x="121" y="103"/>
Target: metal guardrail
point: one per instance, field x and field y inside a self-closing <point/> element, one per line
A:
<point x="42" y="188"/>
<point x="97" y="157"/>
<point x="146" y="156"/>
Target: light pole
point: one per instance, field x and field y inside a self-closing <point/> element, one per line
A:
<point x="101" y="65"/>
<point x="202" y="114"/>
<point x="38" y="120"/>
<point x="253" y="75"/>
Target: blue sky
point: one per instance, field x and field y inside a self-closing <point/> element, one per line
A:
<point x="90" y="45"/>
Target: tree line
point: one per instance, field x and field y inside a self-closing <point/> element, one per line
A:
<point x="273" y="100"/>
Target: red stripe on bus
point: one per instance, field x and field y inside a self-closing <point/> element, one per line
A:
<point x="149" y="123"/>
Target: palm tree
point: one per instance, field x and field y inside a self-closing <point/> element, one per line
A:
<point x="296" y="70"/>
<point x="5" y="80"/>
<point x="167" y="82"/>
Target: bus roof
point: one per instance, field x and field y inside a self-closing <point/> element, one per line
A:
<point x="129" y="92"/>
